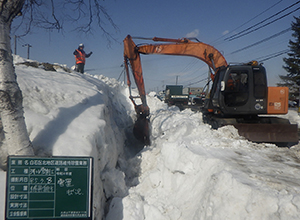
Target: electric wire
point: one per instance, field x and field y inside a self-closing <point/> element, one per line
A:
<point x="248" y="31"/>
<point x="192" y="80"/>
<point x="268" y="38"/>
<point x="261" y="41"/>
<point x="257" y="16"/>
<point x="122" y="72"/>
<point x="259" y="59"/>
<point x="248" y="21"/>
<point x="273" y="55"/>
<point x="189" y="84"/>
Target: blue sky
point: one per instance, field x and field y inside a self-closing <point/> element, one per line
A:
<point x="209" y="21"/>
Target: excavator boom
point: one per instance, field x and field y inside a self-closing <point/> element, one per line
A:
<point x="180" y="47"/>
<point x="202" y="51"/>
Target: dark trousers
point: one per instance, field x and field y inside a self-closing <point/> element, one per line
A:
<point x="80" y="67"/>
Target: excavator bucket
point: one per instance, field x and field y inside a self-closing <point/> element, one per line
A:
<point x="280" y="134"/>
<point x="141" y="129"/>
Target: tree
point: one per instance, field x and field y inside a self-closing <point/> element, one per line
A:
<point x="47" y="14"/>
<point x="292" y="79"/>
<point x="15" y="140"/>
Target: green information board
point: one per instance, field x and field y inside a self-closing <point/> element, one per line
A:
<point x="49" y="188"/>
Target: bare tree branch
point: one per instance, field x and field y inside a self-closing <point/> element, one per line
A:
<point x="57" y="24"/>
<point x="86" y="15"/>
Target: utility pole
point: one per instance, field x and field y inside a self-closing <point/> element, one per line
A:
<point x="176" y="80"/>
<point x="15" y="40"/>
<point x="124" y="77"/>
<point x="28" y="49"/>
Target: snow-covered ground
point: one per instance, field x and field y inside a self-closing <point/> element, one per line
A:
<point x="188" y="172"/>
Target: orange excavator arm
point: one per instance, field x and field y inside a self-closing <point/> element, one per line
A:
<point x="185" y="47"/>
<point x="132" y="57"/>
<point x="180" y="47"/>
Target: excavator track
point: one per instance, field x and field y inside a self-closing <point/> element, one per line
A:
<point x="279" y="134"/>
<point x="274" y="130"/>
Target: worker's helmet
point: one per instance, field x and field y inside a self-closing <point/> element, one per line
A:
<point x="81" y="45"/>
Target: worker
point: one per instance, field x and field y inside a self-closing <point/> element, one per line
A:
<point x="80" y="56"/>
<point x="230" y="84"/>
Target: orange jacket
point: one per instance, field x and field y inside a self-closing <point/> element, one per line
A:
<point x="79" y="56"/>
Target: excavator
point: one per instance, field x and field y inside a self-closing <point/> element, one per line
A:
<point x="239" y="94"/>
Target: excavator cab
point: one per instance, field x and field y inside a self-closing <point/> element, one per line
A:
<point x="240" y="97"/>
<point x="240" y="90"/>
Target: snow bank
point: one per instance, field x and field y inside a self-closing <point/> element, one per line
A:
<point x="70" y="114"/>
<point x="193" y="172"/>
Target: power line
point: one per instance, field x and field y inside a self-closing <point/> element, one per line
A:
<point x="240" y="34"/>
<point x="21" y="39"/>
<point x="261" y="41"/>
<point x="201" y="80"/>
<point x="249" y="20"/>
<point x="190" y="65"/>
<point x="256" y="16"/>
<point x="273" y="55"/>
<point x="260" y="59"/>
<point x="268" y="57"/>
<point x="191" y="80"/>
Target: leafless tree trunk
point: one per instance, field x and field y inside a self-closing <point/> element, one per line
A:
<point x="14" y="136"/>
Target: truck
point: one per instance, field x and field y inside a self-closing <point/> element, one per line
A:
<point x="174" y="95"/>
<point x="197" y="96"/>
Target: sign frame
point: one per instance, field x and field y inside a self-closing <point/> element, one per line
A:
<point x="49" y="188"/>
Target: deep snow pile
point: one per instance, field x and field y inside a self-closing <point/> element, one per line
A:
<point x="193" y="172"/>
<point x="70" y="114"/>
<point x="188" y="172"/>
